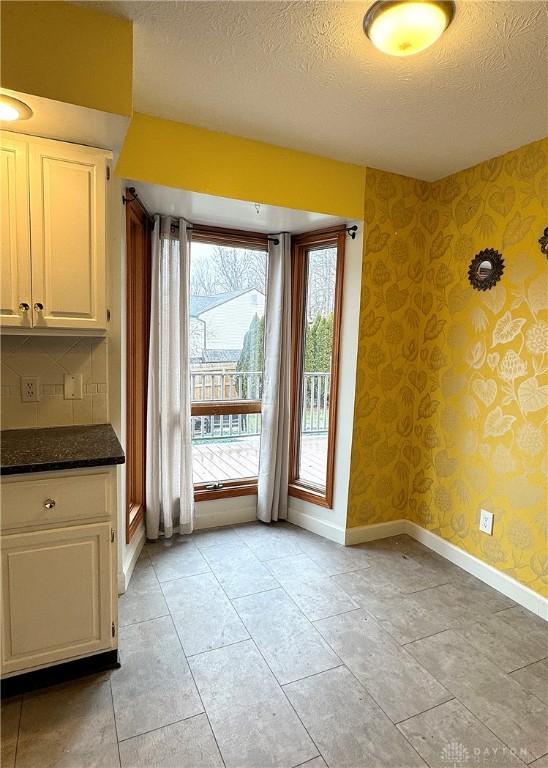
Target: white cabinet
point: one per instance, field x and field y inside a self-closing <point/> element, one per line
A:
<point x="55" y="259"/>
<point x="15" y="292"/>
<point x="59" y="594"/>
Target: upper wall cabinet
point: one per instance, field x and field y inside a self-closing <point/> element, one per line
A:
<point x="15" y="233"/>
<point x="53" y="235"/>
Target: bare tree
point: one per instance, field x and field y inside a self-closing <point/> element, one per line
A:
<point x="229" y="269"/>
<point x="224" y="270"/>
<point x="203" y="278"/>
<point x="322" y="270"/>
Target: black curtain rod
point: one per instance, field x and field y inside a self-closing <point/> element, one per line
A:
<point x="350" y="231"/>
<point x="136" y="199"/>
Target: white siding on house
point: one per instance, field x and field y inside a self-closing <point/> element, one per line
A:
<point x="227" y="324"/>
<point x="197" y="336"/>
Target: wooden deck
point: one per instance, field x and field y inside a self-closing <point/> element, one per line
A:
<point x="216" y="460"/>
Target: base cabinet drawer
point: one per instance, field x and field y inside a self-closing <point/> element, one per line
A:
<point x="50" y="499"/>
<point x="57" y="598"/>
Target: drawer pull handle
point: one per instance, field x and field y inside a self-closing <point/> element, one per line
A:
<point x="49" y="503"/>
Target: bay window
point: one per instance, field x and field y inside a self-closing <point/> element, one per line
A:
<point x="228" y="272"/>
<point x="317" y="262"/>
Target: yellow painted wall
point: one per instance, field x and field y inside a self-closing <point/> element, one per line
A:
<point x="68" y="53"/>
<point x="479" y="381"/>
<point x="185" y="156"/>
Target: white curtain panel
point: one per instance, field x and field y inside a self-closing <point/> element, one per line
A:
<point x="274" y="451"/>
<point x="170" y="493"/>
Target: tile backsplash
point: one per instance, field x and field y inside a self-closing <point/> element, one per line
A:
<point x="50" y="358"/>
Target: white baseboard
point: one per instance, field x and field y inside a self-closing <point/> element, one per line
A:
<point x="125" y="574"/>
<point x="316" y="525"/>
<point x="483" y="571"/>
<point x="363" y="533"/>
<point x="473" y="565"/>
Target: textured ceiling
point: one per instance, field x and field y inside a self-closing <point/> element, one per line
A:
<point x="303" y="75"/>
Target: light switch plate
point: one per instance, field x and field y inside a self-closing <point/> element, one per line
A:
<point x="30" y="389"/>
<point x="486" y="522"/>
<point x="73" y="386"/>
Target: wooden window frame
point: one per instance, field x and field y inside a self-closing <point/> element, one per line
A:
<point x="138" y="280"/>
<point x="301" y="245"/>
<point x="247" y="486"/>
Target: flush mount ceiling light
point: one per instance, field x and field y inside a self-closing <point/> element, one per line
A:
<point x="13" y="109"/>
<point x="405" y="27"/>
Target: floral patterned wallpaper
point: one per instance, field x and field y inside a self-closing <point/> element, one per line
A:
<point x="464" y="426"/>
<point x="384" y="459"/>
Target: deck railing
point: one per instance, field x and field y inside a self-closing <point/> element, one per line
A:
<point x="316" y="389"/>
<point x="223" y="385"/>
<point x="248" y="385"/>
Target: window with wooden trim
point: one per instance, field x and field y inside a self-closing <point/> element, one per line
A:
<point x="138" y="271"/>
<point x="317" y="279"/>
<point x="228" y="272"/>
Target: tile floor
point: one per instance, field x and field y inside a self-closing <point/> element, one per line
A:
<point x="257" y="646"/>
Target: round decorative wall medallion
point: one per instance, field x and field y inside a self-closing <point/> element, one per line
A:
<point x="543" y="240"/>
<point x="485" y="269"/>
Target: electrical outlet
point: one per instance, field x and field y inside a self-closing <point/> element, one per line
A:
<point x="486" y="522"/>
<point x="30" y="389"/>
<point x="73" y="386"/>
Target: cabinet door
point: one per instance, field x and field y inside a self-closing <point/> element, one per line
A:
<point x="57" y="595"/>
<point x="68" y="212"/>
<point x="15" y="288"/>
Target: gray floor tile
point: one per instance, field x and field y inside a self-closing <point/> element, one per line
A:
<point x="154" y="686"/>
<point x="11" y="711"/>
<point x="349" y="729"/>
<point x="542" y="762"/>
<point x="389" y="578"/>
<point x="203" y="615"/>
<point x="288" y="641"/>
<point x="385" y="549"/>
<point x="404" y="546"/>
<point x="143" y="599"/>
<point x="68" y="726"/>
<point x="238" y="570"/>
<point x="534" y="679"/>
<point x="334" y="558"/>
<point x="211" y="537"/>
<point x="176" y="557"/>
<point x="317" y="595"/>
<point x="269" y="541"/>
<point x="253" y="723"/>
<point x="515" y="716"/>
<point x="368" y="587"/>
<point x="420" y="614"/>
<point x="188" y="743"/>
<point x="430" y="560"/>
<point x="514" y="637"/>
<point x="399" y="685"/>
<point x="482" y="595"/>
<point x="409" y="591"/>
<point x="450" y="735"/>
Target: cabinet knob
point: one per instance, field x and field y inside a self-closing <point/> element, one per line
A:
<point x="24" y="307"/>
<point x="49" y="503"/>
<point x="38" y="306"/>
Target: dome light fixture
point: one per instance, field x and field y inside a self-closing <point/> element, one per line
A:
<point x="405" y="27"/>
<point x="13" y="109"/>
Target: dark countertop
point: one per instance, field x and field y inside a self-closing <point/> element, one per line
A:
<point x="50" y="448"/>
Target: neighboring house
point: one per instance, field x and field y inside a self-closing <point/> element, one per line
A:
<point x="219" y="323"/>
